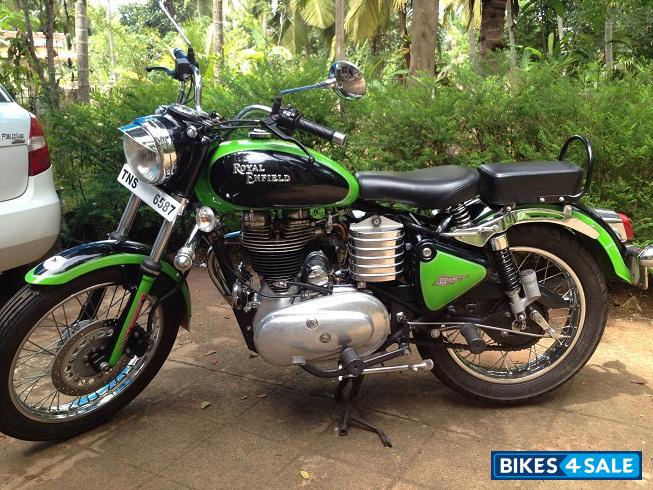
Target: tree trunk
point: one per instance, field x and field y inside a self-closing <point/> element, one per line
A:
<point x="35" y="61"/>
<point x="492" y="22"/>
<point x="112" y="54"/>
<point x="425" y="30"/>
<point x="81" y="44"/>
<point x="609" y="22"/>
<point x="53" y="92"/>
<point x="561" y="29"/>
<point x="265" y="25"/>
<point x="511" y="34"/>
<point x="218" y="39"/>
<point x="403" y="32"/>
<point x="340" y="29"/>
<point x="473" y="51"/>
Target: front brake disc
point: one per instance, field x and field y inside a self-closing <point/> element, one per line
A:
<point x="73" y="372"/>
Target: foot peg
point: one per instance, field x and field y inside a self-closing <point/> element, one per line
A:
<point x="352" y="362"/>
<point x="473" y="337"/>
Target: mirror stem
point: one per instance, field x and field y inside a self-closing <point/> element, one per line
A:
<point x="177" y="28"/>
<point x="300" y="89"/>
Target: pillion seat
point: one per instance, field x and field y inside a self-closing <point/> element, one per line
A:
<point x="431" y="188"/>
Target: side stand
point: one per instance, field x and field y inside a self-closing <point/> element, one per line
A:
<point x="348" y="418"/>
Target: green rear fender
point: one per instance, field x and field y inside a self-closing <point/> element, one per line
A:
<point x="83" y="259"/>
<point x="579" y="220"/>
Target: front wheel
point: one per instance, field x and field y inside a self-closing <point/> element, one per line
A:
<point x="49" y="336"/>
<point x="518" y="368"/>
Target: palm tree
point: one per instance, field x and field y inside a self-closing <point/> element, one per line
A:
<point x="472" y="18"/>
<point x="363" y="20"/>
<point x="493" y="15"/>
<point x="609" y="27"/>
<point x="218" y="38"/>
<point x="340" y="29"/>
<point x="81" y="44"/>
<point x="367" y="17"/>
<point x="112" y="53"/>
<point x="425" y="29"/>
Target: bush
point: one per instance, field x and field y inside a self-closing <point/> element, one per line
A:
<point x="463" y="119"/>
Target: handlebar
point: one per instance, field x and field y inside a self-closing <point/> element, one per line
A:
<point x="321" y="131"/>
<point x="185" y="68"/>
<point x="290" y="119"/>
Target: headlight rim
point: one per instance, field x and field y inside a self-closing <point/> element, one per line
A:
<point x="153" y="135"/>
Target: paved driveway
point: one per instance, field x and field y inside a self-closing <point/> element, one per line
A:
<point x="265" y="425"/>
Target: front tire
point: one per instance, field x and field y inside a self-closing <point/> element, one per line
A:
<point x="28" y="358"/>
<point x="466" y="375"/>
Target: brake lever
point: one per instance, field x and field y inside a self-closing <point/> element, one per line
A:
<point x="167" y="71"/>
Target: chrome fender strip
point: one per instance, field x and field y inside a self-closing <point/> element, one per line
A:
<point x="479" y="235"/>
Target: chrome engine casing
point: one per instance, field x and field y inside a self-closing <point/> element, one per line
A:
<point x="290" y="332"/>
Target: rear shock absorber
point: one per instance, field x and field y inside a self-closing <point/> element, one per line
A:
<point x="461" y="216"/>
<point x="508" y="273"/>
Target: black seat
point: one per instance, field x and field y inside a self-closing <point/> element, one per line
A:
<point x="529" y="182"/>
<point x="432" y="188"/>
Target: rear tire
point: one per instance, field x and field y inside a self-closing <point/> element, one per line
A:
<point x="568" y="249"/>
<point x="23" y="312"/>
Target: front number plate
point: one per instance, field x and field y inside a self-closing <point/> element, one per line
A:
<point x="167" y="206"/>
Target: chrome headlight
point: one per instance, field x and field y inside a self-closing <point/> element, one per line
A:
<point x="149" y="148"/>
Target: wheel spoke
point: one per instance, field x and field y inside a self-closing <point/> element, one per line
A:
<point x="32" y="382"/>
<point x="540" y="355"/>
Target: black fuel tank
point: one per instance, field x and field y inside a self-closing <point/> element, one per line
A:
<point x="273" y="178"/>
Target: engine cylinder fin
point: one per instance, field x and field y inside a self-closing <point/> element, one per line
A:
<point x="275" y="245"/>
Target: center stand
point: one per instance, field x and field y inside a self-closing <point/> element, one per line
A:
<point x="350" y="419"/>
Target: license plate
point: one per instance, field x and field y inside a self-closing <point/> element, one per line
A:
<point x="166" y="206"/>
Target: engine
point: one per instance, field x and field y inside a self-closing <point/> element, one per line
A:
<point x="275" y="246"/>
<point x="310" y="306"/>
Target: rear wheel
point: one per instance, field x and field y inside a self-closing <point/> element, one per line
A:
<point x="49" y="338"/>
<point x="518" y="368"/>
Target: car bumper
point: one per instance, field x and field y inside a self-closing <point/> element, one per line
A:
<point x="29" y="224"/>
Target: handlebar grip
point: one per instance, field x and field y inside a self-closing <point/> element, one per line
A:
<point x="321" y="131"/>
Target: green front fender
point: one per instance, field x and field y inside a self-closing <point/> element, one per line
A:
<point x="78" y="261"/>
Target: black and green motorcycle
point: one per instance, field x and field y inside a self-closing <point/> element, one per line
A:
<point x="497" y="276"/>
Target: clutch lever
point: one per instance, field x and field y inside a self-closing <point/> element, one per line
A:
<point x="167" y="71"/>
<point x="271" y="125"/>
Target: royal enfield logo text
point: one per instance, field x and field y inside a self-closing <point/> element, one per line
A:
<point x="448" y="280"/>
<point x="255" y="172"/>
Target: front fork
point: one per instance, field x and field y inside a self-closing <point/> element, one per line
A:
<point x="150" y="270"/>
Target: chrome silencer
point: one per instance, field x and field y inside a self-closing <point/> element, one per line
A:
<point x="639" y="262"/>
<point x="645" y="257"/>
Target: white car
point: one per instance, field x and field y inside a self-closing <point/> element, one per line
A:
<point x="30" y="212"/>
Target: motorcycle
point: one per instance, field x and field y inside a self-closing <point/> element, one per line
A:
<point x="496" y="275"/>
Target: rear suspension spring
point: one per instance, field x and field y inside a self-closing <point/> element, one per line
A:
<point x="507" y="269"/>
<point x="461" y="216"/>
<point x="505" y="264"/>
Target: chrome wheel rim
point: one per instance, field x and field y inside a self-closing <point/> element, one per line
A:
<point x="31" y="388"/>
<point x="511" y="367"/>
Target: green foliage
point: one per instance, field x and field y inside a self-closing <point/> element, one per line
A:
<point x="461" y="119"/>
<point x="144" y="16"/>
